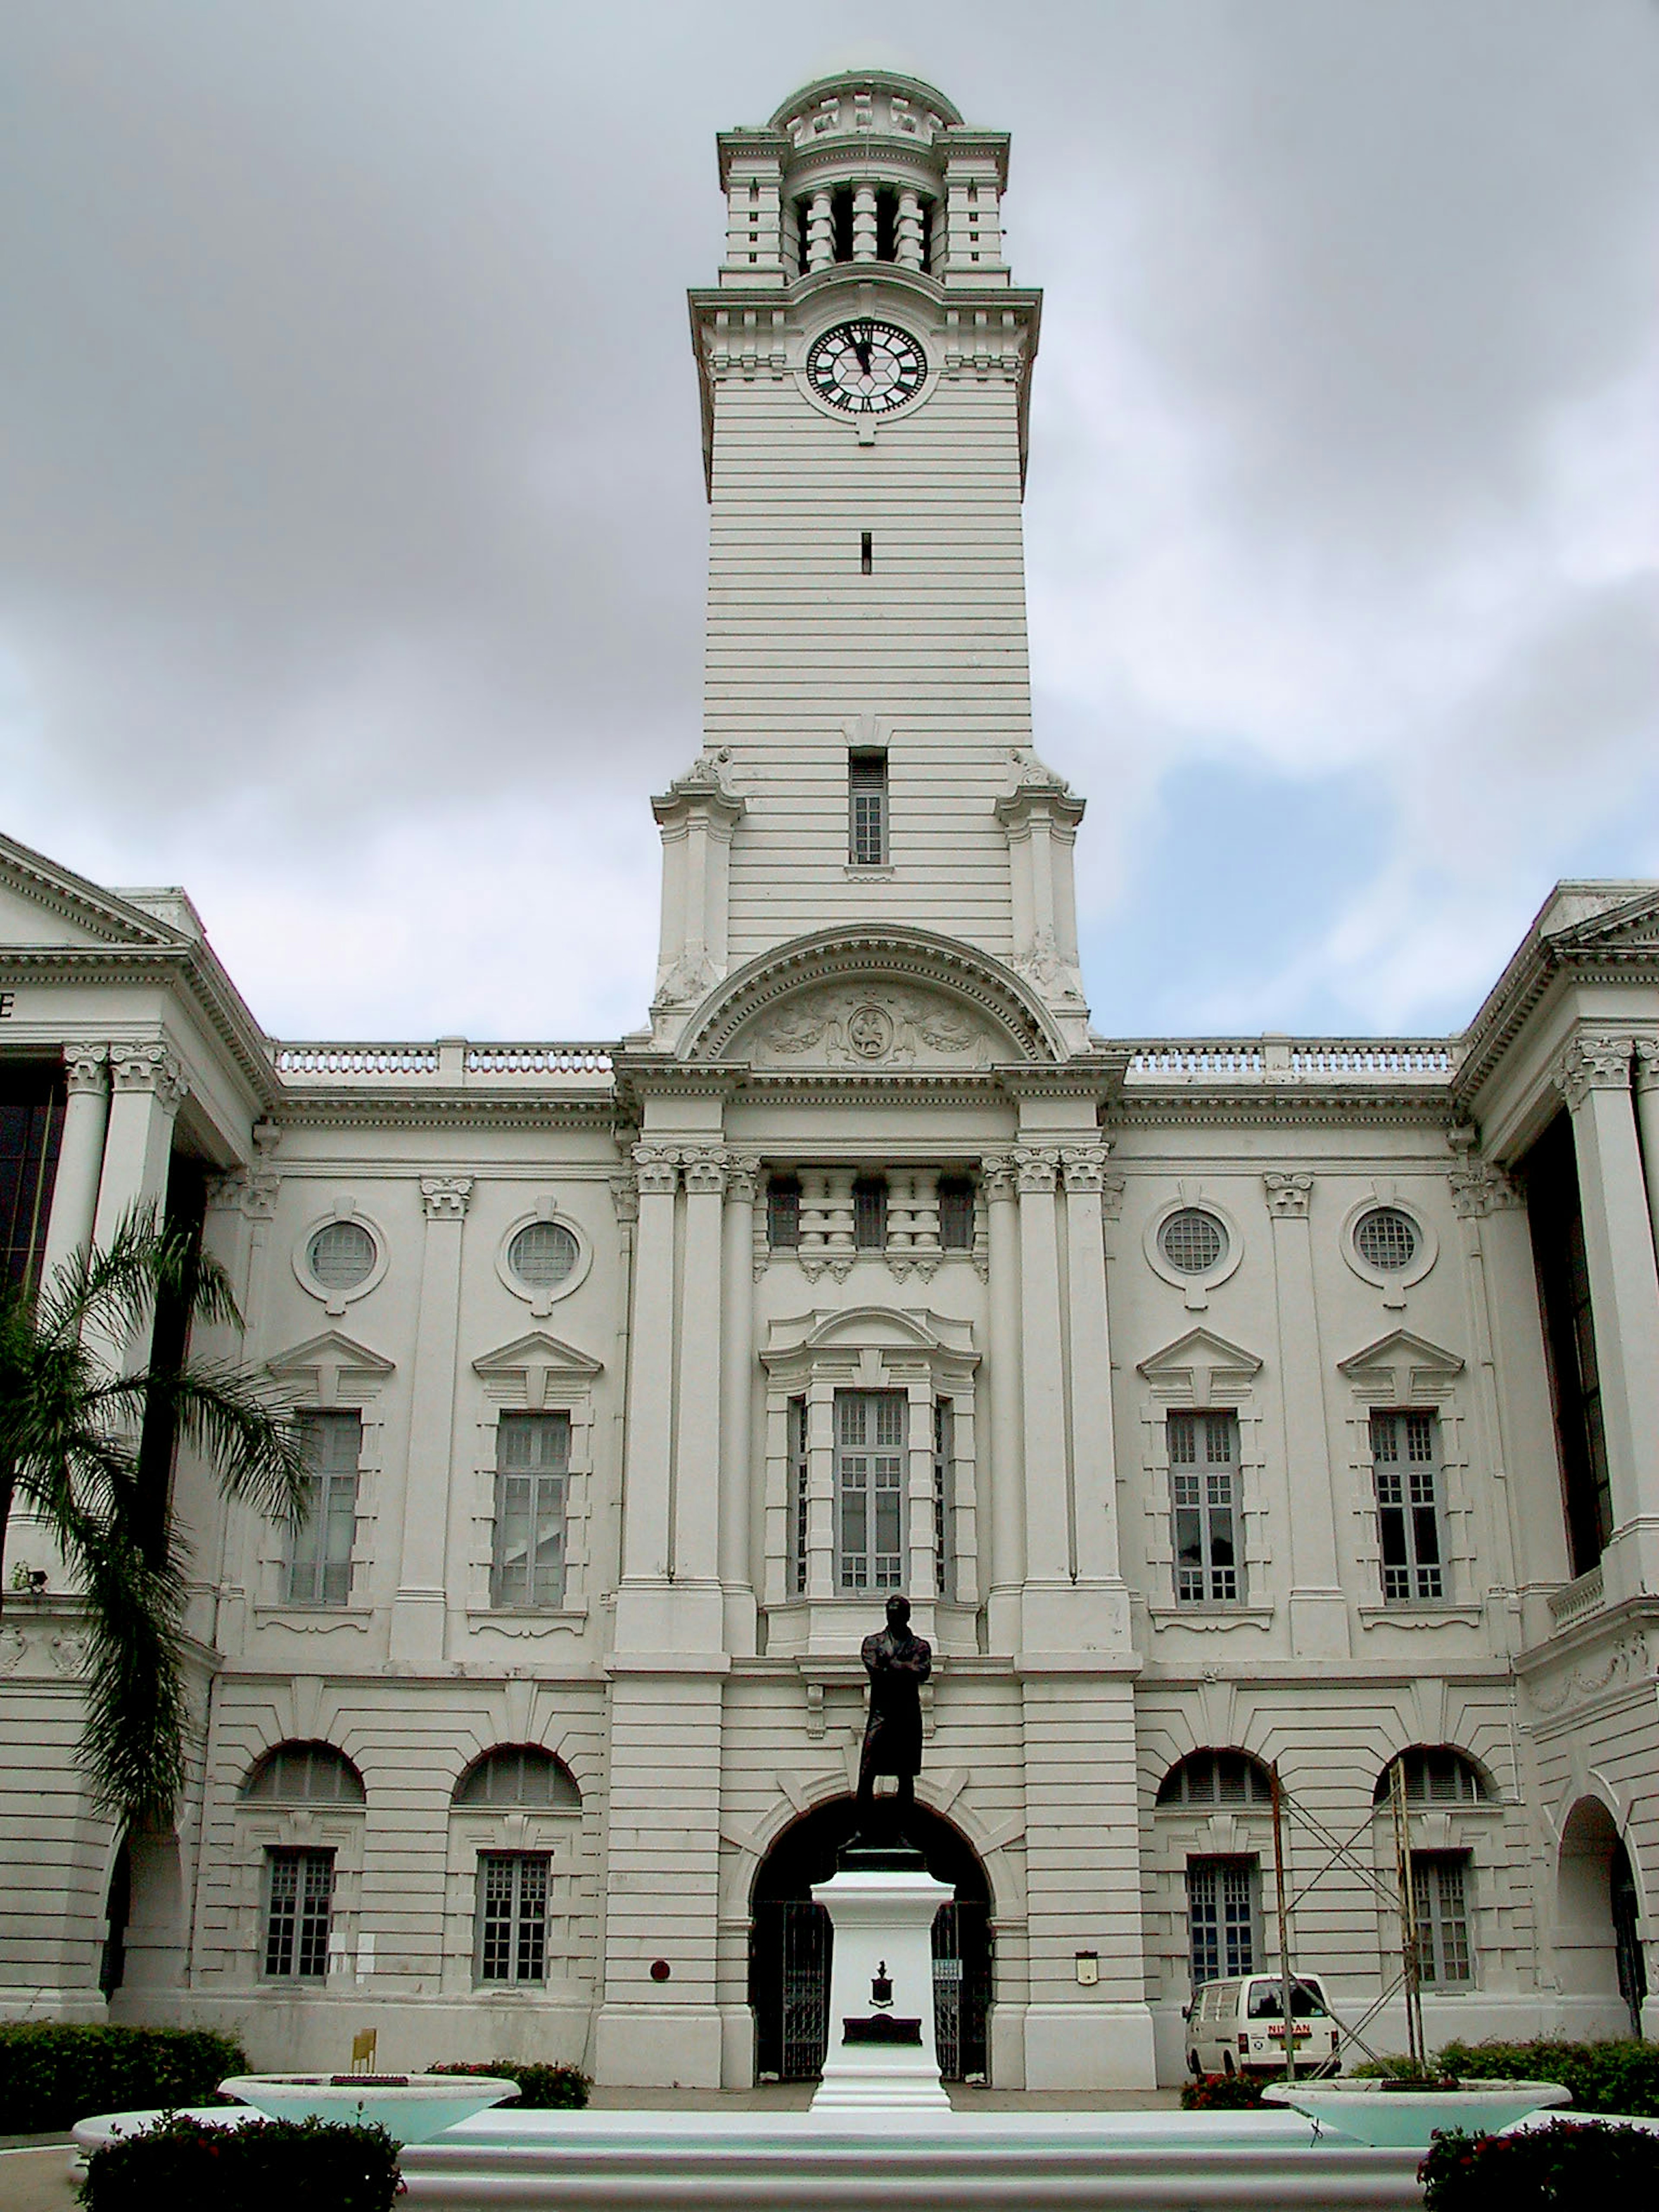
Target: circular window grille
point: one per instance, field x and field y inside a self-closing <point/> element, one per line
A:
<point x="542" y="1254"/>
<point x="341" y="1256"/>
<point x="1386" y="1239"/>
<point x="1193" y="1242"/>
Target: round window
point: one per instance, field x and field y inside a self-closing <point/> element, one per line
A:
<point x="542" y="1254"/>
<point x="1386" y="1239"/>
<point x="342" y="1255"/>
<point x="1193" y="1242"/>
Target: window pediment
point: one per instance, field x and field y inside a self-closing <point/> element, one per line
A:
<point x="1401" y="1365"/>
<point x="1201" y="1367"/>
<point x="332" y="1368"/>
<point x="526" y="1367"/>
<point x="870" y="1329"/>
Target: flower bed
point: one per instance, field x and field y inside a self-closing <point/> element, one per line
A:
<point x="541" y="2089"/>
<point x="1562" y="2167"/>
<point x="266" y="2166"/>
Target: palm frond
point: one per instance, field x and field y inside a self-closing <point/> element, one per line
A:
<point x="132" y="1741"/>
<point x="245" y="1428"/>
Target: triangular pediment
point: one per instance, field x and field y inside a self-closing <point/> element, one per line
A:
<point x="1632" y="923"/>
<point x="1400" y="1364"/>
<point x="332" y="1368"/>
<point x="537" y="1349"/>
<point x="1201" y="1364"/>
<point x="42" y="905"/>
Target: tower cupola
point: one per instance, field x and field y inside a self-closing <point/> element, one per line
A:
<point x="859" y="170"/>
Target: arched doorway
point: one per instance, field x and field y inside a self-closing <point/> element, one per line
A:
<point x="789" y="1944"/>
<point x="1598" y="1908"/>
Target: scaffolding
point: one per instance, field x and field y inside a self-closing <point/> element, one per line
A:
<point x="1401" y="1898"/>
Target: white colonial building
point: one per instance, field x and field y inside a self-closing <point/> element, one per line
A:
<point x="1221" y="1404"/>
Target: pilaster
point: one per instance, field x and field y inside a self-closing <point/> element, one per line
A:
<point x="1595" y="1078"/>
<point x="419" y="1610"/>
<point x="80" y="1155"/>
<point x="1083" y="1169"/>
<point x="1318" y="1607"/>
<point x="998" y="1180"/>
<point x="147" y="1088"/>
<point x="737" y="1401"/>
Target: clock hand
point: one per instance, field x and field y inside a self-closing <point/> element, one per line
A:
<point x="861" y="348"/>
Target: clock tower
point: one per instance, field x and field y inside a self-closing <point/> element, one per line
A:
<point x="865" y="361"/>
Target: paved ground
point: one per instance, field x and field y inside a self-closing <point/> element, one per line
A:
<point x="37" y="2173"/>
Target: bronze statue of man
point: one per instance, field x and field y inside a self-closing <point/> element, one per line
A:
<point x="897" y="1663"/>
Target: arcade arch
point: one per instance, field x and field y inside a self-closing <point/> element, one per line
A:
<point x="790" y="1937"/>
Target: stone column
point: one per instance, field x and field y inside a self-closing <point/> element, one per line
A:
<point x="1000" y="1182"/>
<point x="1477" y="1189"/>
<point x="80" y="1155"/>
<point x="695" y="1557"/>
<point x="147" y="1088"/>
<point x="1318" y="1608"/>
<point x="1048" y="1561"/>
<point x="1647" y="1121"/>
<point x="820" y="234"/>
<point x="418" y="1613"/>
<point x="737" y="1400"/>
<point x="922" y="1579"/>
<point x="821" y="1489"/>
<point x="864" y="223"/>
<point x="1094" y="1459"/>
<point x="647" y="1551"/>
<point x="839" y="1244"/>
<point x="1619" y="1250"/>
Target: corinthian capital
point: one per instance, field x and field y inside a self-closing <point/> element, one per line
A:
<point x="1482" y="1189"/>
<point x="704" y="1167"/>
<point x="1037" y="1167"/>
<point x="998" y="1176"/>
<point x="86" y="1067"/>
<point x="743" y="1176"/>
<point x="1084" y="1166"/>
<point x="1647" y="1063"/>
<point x="446" y="1198"/>
<point x="656" y="1170"/>
<point x="154" y="1067"/>
<point x="1594" y="1063"/>
<point x="1288" y="1195"/>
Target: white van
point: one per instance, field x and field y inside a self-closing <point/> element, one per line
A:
<point x="1237" y="2026"/>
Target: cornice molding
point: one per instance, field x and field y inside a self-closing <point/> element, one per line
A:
<point x="1242" y="1108"/>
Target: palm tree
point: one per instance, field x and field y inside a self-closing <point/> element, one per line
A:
<point x="74" y="1423"/>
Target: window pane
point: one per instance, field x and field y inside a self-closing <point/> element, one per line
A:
<point x="320" y="1557"/>
<point x="1405" y="1471"/>
<point x="956" y="1216"/>
<point x="870" y="1215"/>
<point x="300" y="1891"/>
<point x="1203" y="1507"/>
<point x="533" y="1455"/>
<point x="783" y="1214"/>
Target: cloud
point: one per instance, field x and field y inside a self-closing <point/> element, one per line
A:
<point x="350" y="566"/>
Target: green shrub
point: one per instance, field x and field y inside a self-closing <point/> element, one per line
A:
<point x="1568" y="2164"/>
<point x="265" y="2167"/>
<point x="1614" y="2076"/>
<point x="541" y="2089"/>
<point x="53" y="2075"/>
<point x="1222" y="2093"/>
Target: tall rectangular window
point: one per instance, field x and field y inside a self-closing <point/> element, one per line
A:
<point x="866" y="806"/>
<point x="956" y="1213"/>
<point x="1204" y="1502"/>
<point x="1555" y="1216"/>
<point x="944" y="1502"/>
<point x="532" y="1477"/>
<point x="1221" y="1917"/>
<point x="319" y="1562"/>
<point x="512" y="1915"/>
<point x="299" y="1899"/>
<point x="31" y="1127"/>
<point x="870" y="1442"/>
<point x="1405" y="1469"/>
<point x="870" y="1213"/>
<point x="783" y="1212"/>
<point x="1439" y="1880"/>
<point x="798" y="1469"/>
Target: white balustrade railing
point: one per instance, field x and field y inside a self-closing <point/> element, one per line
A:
<point x="1289" y="1059"/>
<point x="448" y="1059"/>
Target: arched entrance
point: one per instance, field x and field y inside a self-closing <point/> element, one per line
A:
<point x="789" y="1943"/>
<point x="1598" y="1907"/>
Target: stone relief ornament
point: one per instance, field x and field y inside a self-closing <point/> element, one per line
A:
<point x="1629" y="1662"/>
<point x="865" y="1027"/>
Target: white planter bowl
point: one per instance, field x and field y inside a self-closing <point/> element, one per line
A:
<point x="411" y="2109"/>
<point x="1386" y="2118"/>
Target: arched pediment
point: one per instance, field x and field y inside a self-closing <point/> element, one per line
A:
<point x="879" y="1328"/>
<point x="881" y="1001"/>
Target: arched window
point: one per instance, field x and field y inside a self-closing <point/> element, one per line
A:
<point x="518" y="1776"/>
<point x="1436" y="1774"/>
<point x="304" y="1774"/>
<point x="1217" y="1777"/>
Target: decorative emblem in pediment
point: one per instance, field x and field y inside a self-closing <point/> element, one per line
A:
<point x="879" y="1025"/>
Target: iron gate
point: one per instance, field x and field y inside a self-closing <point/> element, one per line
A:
<point x="793" y="1941"/>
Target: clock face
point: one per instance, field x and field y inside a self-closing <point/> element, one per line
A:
<point x="867" y="369"/>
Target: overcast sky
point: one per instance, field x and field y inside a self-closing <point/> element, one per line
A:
<point x="351" y="512"/>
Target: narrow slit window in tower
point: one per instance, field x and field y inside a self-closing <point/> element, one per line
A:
<point x="866" y="797"/>
<point x="867" y="552"/>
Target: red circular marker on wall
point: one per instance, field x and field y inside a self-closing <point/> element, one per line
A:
<point x="660" y="1970"/>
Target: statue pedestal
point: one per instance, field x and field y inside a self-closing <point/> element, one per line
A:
<point x="880" y="2052"/>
